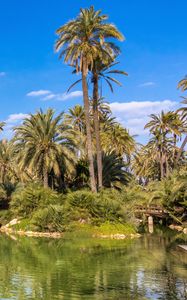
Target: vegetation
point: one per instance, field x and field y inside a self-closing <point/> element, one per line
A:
<point x="83" y="166"/>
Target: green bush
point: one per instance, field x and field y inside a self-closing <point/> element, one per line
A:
<point x="100" y="207"/>
<point x="109" y="228"/>
<point x="50" y="218"/>
<point x="5" y="216"/>
<point x="27" y="199"/>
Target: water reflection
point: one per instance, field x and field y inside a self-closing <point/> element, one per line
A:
<point x="147" y="268"/>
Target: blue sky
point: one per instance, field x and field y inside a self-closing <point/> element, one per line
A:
<point x="154" y="55"/>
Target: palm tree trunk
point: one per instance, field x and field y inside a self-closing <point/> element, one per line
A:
<point x="174" y="150"/>
<point x="88" y="126"/>
<point x="45" y="177"/>
<point x="3" y="175"/>
<point x="181" y="149"/>
<point x="97" y="131"/>
<point x="161" y="166"/>
<point x="166" y="166"/>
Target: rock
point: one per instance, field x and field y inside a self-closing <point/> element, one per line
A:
<point x="179" y="228"/>
<point x="119" y="236"/>
<point x="172" y="226"/>
<point x="82" y="221"/>
<point x="176" y="227"/>
<point x="12" y="223"/>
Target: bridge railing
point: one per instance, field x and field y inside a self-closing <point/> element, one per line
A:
<point x="152" y="210"/>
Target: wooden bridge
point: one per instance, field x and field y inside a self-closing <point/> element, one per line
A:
<point x="152" y="210"/>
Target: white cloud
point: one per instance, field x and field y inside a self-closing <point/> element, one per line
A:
<point x="46" y="95"/>
<point x="134" y="115"/>
<point x="10" y="122"/>
<point x="2" y="74"/>
<point x="14" y="118"/>
<point x="49" y="97"/>
<point x="38" y="93"/>
<point x="66" y="96"/>
<point x="146" y="84"/>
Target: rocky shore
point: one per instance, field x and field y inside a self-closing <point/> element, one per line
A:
<point x="11" y="230"/>
<point x="178" y="228"/>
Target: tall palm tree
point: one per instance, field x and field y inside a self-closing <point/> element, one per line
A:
<point x="75" y="117"/>
<point x="146" y="163"/>
<point x="44" y="144"/>
<point x="183" y="86"/>
<point x="102" y="69"/>
<point x="116" y="138"/>
<point x="7" y="167"/>
<point x="81" y="41"/>
<point x="115" y="172"/>
<point x="2" y="124"/>
<point x="160" y="126"/>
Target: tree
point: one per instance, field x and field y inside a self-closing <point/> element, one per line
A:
<point x="115" y="171"/>
<point x="101" y="70"/>
<point x="183" y="86"/>
<point x="160" y="126"/>
<point x="116" y="138"/>
<point x="81" y="41"/>
<point x="2" y="124"/>
<point x="7" y="165"/>
<point x="146" y="164"/>
<point x="44" y="144"/>
<point x="75" y="117"/>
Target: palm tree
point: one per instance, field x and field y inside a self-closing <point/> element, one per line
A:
<point x="75" y="118"/>
<point x="160" y="126"/>
<point x="44" y="144"/>
<point x="101" y="70"/>
<point x="7" y="166"/>
<point x="81" y="41"/>
<point x="114" y="170"/>
<point x="145" y="163"/>
<point x="183" y="86"/>
<point x="116" y="138"/>
<point x="2" y="124"/>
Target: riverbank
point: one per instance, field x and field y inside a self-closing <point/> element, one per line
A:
<point x="178" y="228"/>
<point x="92" y="268"/>
<point x="104" y="231"/>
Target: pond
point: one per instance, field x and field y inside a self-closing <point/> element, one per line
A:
<point x="151" y="267"/>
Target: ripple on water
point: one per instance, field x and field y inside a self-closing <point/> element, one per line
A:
<point x="42" y="269"/>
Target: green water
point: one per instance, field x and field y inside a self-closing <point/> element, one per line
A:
<point x="151" y="267"/>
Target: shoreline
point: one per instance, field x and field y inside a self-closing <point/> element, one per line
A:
<point x="57" y="235"/>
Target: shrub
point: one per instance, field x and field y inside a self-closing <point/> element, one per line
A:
<point x="27" y="199"/>
<point x="100" y="207"/>
<point x="5" y="217"/>
<point x="108" y="228"/>
<point x="50" y="218"/>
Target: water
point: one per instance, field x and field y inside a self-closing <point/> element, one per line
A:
<point x="151" y="267"/>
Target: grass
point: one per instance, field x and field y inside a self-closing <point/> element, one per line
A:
<point x="23" y="225"/>
<point x="87" y="230"/>
<point x="116" y="228"/>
